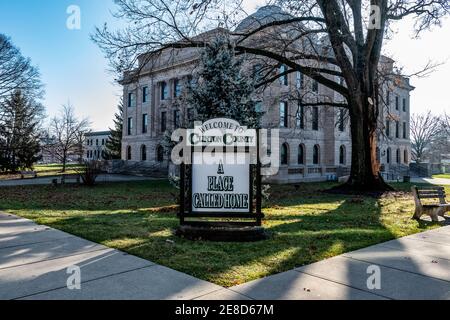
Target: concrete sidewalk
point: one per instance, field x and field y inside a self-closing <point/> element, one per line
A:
<point x="413" y="267"/>
<point x="34" y="261"/>
<point x="48" y="180"/>
<point x="435" y="181"/>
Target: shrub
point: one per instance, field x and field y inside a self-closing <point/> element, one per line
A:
<point x="90" y="172"/>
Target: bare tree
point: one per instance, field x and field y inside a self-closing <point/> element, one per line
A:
<point x="446" y="124"/>
<point x="425" y="128"/>
<point x="16" y="72"/>
<point x="335" y="43"/>
<point x="66" y="130"/>
<point x="445" y="140"/>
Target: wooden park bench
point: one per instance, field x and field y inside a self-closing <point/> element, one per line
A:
<point x="433" y="208"/>
<point x="23" y="174"/>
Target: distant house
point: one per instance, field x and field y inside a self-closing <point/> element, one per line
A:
<point x="95" y="145"/>
<point x="48" y="155"/>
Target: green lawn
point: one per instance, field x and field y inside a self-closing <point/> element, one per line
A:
<point x="444" y="176"/>
<point x="46" y="170"/>
<point x="308" y="225"/>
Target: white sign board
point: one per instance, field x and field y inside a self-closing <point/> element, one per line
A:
<point x="221" y="132"/>
<point x="219" y="185"/>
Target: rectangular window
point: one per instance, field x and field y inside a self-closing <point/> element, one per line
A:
<point x="315" y="86"/>
<point x="103" y="142"/>
<point x="176" y="119"/>
<point x="145" y="95"/>
<point x="388" y="98"/>
<point x="300" y="118"/>
<point x="283" y="78"/>
<point x="130" y="126"/>
<point x="144" y="123"/>
<point x="342" y="120"/>
<point x="388" y="128"/>
<point x="190" y="115"/>
<point x="258" y="106"/>
<point x="283" y="114"/>
<point x="257" y="72"/>
<point x="397" y="103"/>
<point x="299" y="79"/>
<point x="397" y="129"/>
<point x="163" y="121"/>
<point x="404" y="131"/>
<point x="315" y="118"/>
<point x="404" y="104"/>
<point x="96" y="142"/>
<point x="131" y="100"/>
<point x="177" y="88"/>
<point x="164" y="91"/>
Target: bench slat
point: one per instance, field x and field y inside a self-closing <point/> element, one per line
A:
<point x="431" y="188"/>
<point x="437" y="205"/>
<point x="431" y="192"/>
<point x="431" y="196"/>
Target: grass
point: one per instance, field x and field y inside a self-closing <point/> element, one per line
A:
<point x="308" y="225"/>
<point x="443" y="176"/>
<point x="46" y="170"/>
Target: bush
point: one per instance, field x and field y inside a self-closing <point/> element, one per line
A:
<point x="90" y="172"/>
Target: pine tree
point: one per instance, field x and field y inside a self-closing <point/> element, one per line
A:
<point x="222" y="88"/>
<point x="19" y="132"/>
<point x="114" y="142"/>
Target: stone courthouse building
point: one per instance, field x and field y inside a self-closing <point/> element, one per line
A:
<point x="315" y="141"/>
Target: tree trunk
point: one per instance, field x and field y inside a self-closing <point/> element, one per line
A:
<point x="64" y="160"/>
<point x="365" y="171"/>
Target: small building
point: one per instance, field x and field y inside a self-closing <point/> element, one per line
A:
<point x="47" y="153"/>
<point x="95" y="145"/>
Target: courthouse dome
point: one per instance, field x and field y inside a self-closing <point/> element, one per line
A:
<point x="261" y="17"/>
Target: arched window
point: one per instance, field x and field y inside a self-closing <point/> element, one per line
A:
<point x="316" y="154"/>
<point x="284" y="154"/>
<point x="388" y="155"/>
<point x="129" y="153"/>
<point x="406" y="156"/>
<point x="143" y="153"/>
<point x="399" y="160"/>
<point x="342" y="155"/>
<point x="159" y="154"/>
<point x="301" y="154"/>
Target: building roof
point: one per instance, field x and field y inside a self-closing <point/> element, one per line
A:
<point x="98" y="133"/>
<point x="262" y="16"/>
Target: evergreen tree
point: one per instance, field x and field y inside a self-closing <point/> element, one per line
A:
<point x="114" y="142"/>
<point x="222" y="89"/>
<point x="20" y="119"/>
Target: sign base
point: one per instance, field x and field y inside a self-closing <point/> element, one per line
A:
<point x="222" y="232"/>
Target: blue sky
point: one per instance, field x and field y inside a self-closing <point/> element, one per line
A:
<point x="71" y="65"/>
<point x="73" y="68"/>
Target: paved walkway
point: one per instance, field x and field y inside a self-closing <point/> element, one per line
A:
<point x="436" y="181"/>
<point x="48" y="180"/>
<point x="34" y="261"/>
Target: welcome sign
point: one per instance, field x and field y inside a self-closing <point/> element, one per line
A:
<point x="221" y="187"/>
<point x="221" y="132"/>
<point x="218" y="182"/>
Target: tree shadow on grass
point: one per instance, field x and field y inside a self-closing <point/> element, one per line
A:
<point x="297" y="240"/>
<point x="306" y="228"/>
